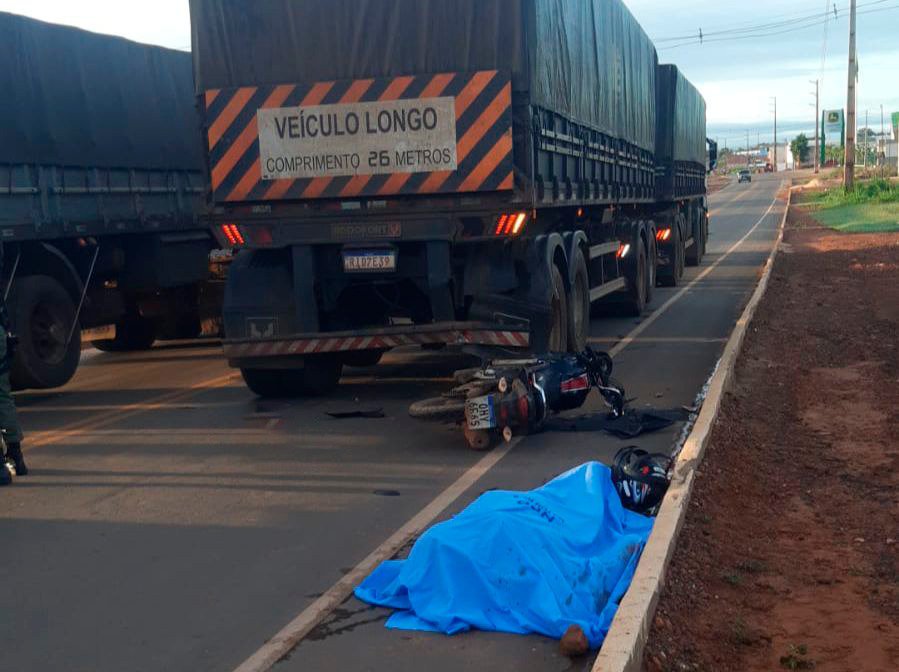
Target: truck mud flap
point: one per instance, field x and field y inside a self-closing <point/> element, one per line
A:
<point x="449" y="333"/>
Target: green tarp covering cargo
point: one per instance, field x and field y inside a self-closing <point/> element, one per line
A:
<point x="581" y="75"/>
<point x="101" y="190"/>
<point x="471" y="173"/>
<point x="680" y="135"/>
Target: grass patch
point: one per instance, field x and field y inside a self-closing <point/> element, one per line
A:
<point x="740" y="633"/>
<point x="751" y="566"/>
<point x="864" y="192"/>
<point x="796" y="658"/>
<point x="732" y="578"/>
<point x="866" y="218"/>
<point x="871" y="207"/>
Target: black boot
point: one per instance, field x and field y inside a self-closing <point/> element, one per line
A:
<point x="14" y="453"/>
<point x="5" y="476"/>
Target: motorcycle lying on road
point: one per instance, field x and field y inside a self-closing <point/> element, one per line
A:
<point x="516" y="396"/>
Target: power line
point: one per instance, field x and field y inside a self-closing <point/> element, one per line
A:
<point x="803" y="24"/>
<point x="750" y="28"/>
<point x="824" y="40"/>
<point x="733" y="26"/>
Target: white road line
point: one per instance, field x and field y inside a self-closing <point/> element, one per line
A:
<point x="299" y="627"/>
<point x="674" y="340"/>
<point x="661" y="310"/>
<point x="293" y="633"/>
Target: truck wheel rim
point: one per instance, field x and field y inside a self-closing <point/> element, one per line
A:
<point x="555" y="336"/>
<point x="559" y="324"/>
<point x="48" y="334"/>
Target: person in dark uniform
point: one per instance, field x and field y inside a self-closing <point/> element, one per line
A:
<point x="9" y="421"/>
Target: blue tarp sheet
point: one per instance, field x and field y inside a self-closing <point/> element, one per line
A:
<point x="520" y="562"/>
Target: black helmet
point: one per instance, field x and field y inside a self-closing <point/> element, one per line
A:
<point x="641" y="478"/>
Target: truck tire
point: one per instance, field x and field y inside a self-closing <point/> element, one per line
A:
<point x="670" y="274"/>
<point x="558" y="332"/>
<point x="579" y="305"/>
<point x="637" y="281"/>
<point x="652" y="266"/>
<point x="42" y="313"/>
<point x="319" y="376"/>
<point x="131" y="334"/>
<point x="693" y="254"/>
<point x="362" y="358"/>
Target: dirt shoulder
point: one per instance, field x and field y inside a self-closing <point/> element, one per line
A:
<point x="716" y="183"/>
<point x="789" y="558"/>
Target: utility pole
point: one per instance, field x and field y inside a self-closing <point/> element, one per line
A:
<point x="774" y="98"/>
<point x="747" y="148"/>
<point x="882" y="143"/>
<point x="849" y="168"/>
<point x="817" y="122"/>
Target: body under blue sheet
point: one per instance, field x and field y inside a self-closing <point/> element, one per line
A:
<point x="520" y="562"/>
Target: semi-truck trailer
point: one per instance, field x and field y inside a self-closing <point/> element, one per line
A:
<point x="101" y="188"/>
<point x="434" y="172"/>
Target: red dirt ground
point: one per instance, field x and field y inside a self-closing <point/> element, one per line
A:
<point x="718" y="182"/>
<point x="789" y="558"/>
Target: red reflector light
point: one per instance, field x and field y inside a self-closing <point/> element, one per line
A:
<point x="663" y="234"/>
<point x="233" y="234"/>
<point x="511" y="224"/>
<point x="578" y="384"/>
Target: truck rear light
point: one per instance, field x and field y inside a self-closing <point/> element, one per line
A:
<point x="233" y="234"/>
<point x="663" y="234"/>
<point x="511" y="224"/>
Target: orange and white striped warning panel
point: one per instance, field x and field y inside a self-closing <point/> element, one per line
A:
<point x="426" y="134"/>
<point x="342" y="343"/>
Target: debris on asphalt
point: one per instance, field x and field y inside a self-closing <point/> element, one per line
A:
<point x="636" y="422"/>
<point x="574" y="642"/>
<point x="350" y="415"/>
<point x="630" y="425"/>
<point x="520" y="562"/>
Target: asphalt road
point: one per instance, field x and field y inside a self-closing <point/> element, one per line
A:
<point x="173" y="522"/>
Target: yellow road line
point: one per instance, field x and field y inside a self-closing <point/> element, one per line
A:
<point x="126" y="411"/>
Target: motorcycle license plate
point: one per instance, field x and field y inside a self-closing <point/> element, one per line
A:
<point x="479" y="413"/>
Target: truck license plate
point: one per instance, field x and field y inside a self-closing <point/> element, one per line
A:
<point x="479" y="413"/>
<point x="369" y="261"/>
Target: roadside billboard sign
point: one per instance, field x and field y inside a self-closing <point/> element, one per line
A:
<point x="833" y="131"/>
<point x="833" y="127"/>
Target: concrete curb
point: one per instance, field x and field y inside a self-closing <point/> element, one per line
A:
<point x="622" y="650"/>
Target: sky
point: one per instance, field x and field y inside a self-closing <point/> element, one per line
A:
<point x="737" y="72"/>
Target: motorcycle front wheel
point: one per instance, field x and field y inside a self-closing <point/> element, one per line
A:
<point x="439" y="409"/>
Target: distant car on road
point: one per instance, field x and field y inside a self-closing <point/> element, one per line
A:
<point x="745" y="176"/>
